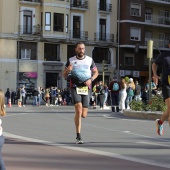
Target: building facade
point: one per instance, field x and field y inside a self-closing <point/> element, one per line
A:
<point x="38" y="36"/>
<point x="140" y="21"/>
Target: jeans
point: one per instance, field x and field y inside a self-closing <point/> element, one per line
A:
<point x="35" y="100"/>
<point x="128" y="100"/>
<point x="115" y="101"/>
<point x="2" y="165"/>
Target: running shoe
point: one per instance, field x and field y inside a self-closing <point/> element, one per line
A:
<point x="159" y="128"/>
<point x="79" y="141"/>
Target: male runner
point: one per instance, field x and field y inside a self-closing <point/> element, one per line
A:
<point x="82" y="71"/>
<point x="164" y="61"/>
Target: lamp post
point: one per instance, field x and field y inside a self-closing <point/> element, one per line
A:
<point x="18" y="48"/>
<point x="150" y="56"/>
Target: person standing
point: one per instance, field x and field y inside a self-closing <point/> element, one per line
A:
<point x="47" y="96"/>
<point x="2" y="140"/>
<point x="130" y="92"/>
<point x="163" y="60"/>
<point x="114" y="88"/>
<point x="123" y="94"/>
<point x="83" y="71"/>
<point x="23" y="95"/>
<point x="7" y="95"/>
<point x="137" y="91"/>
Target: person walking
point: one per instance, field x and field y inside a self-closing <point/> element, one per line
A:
<point x="163" y="60"/>
<point x="83" y="71"/>
<point x="114" y="88"/>
<point x="2" y="140"/>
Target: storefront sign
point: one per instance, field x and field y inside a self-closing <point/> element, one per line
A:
<point x="135" y="73"/>
<point x="32" y="75"/>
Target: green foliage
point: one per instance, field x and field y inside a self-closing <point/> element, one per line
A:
<point x="155" y="104"/>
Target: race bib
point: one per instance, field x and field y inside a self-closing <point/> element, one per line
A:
<point x="82" y="90"/>
<point x="169" y="79"/>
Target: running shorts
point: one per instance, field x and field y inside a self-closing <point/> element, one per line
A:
<point x="166" y="91"/>
<point x="76" y="98"/>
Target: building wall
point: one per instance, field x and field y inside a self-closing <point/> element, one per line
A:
<point x="11" y="17"/>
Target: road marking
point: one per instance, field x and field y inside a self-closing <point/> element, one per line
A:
<point x="92" y="151"/>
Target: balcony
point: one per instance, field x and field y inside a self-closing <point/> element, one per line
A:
<point x="159" y="43"/>
<point x="33" y="30"/>
<point x="33" y="2"/>
<point x="157" y="20"/>
<point x="83" y="35"/>
<point x="79" y="4"/>
<point x="105" y="8"/>
<point x="159" y="1"/>
<point x="103" y="37"/>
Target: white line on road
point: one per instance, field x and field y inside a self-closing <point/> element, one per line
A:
<point x="92" y="151"/>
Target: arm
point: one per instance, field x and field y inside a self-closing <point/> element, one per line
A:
<point x="155" y="76"/>
<point x="67" y="70"/>
<point x="94" y="76"/>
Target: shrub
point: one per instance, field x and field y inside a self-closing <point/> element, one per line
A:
<point x="155" y="104"/>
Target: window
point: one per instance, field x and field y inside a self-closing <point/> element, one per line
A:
<point x="58" y="22"/>
<point x="100" y="54"/>
<point x="102" y="30"/>
<point x="27" y="22"/>
<point x="135" y="9"/>
<point x="148" y="15"/>
<point x="47" y="21"/>
<point x="51" y="52"/>
<point x="67" y="23"/>
<point x="103" y="5"/>
<point x="25" y="53"/>
<point x="135" y="34"/>
<point x="129" y="60"/>
<point x="76" y="26"/>
<point x="28" y="50"/>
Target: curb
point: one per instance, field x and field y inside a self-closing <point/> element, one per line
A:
<point x="142" y="115"/>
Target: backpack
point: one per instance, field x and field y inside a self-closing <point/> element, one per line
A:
<point x="102" y="91"/>
<point x="115" y="87"/>
<point x="130" y="91"/>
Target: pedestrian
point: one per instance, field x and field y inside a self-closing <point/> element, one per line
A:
<point x="83" y="71"/>
<point x="137" y="91"/>
<point x="101" y="95"/>
<point x="8" y="95"/>
<point x="47" y="96"/>
<point x="23" y="95"/>
<point x="130" y="92"/>
<point x="114" y="88"/>
<point x="163" y="60"/>
<point x="2" y="140"/>
<point x="123" y="94"/>
<point x="35" y="97"/>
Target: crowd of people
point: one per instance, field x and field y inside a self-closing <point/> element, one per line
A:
<point x="49" y="96"/>
<point x="119" y="94"/>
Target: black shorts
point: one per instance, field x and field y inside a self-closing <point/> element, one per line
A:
<point x="84" y="99"/>
<point x="166" y="91"/>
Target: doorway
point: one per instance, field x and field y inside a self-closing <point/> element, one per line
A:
<point x="51" y="80"/>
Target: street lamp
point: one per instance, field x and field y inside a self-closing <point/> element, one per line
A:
<point x="18" y="48"/>
<point x="150" y="56"/>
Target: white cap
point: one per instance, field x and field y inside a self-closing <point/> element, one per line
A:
<point x="131" y="80"/>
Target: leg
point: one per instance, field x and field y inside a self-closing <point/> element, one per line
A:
<point x="2" y="165"/>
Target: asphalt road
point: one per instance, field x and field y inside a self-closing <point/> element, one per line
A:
<point x="44" y="138"/>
